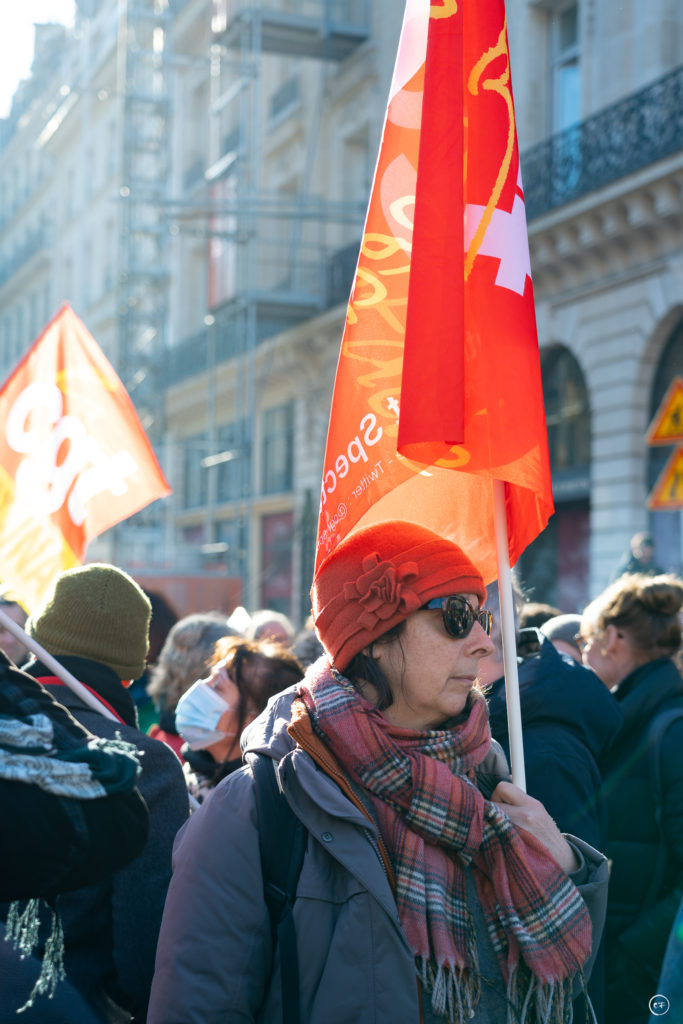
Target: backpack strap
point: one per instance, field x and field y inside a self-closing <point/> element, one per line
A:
<point x="655" y="738"/>
<point x="282" y="845"/>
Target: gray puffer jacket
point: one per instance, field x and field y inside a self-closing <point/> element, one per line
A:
<point x="214" y="960"/>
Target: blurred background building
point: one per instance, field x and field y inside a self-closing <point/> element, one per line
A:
<point x="193" y="176"/>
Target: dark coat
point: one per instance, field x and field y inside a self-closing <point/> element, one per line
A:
<point x="638" y="922"/>
<point x="18" y="975"/>
<point x="59" y="843"/>
<point x="569" y="719"/>
<point x="630" y="564"/>
<point x="111" y="929"/>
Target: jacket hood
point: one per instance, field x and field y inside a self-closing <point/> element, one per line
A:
<point x="268" y="734"/>
<point x="98" y="677"/>
<point x="556" y="690"/>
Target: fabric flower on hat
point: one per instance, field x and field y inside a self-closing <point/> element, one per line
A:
<point x="382" y="590"/>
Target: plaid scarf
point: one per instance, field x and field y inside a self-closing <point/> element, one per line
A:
<point x="435" y="822"/>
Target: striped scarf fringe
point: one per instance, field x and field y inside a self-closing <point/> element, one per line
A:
<point x="549" y="1003"/>
<point x="22" y="930"/>
<point x="34" y="750"/>
<point x="454" y="991"/>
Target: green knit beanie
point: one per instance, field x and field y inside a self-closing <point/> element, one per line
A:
<point x="99" y="612"/>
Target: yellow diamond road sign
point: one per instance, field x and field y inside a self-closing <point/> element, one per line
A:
<point x="667" y="425"/>
<point x="667" y="493"/>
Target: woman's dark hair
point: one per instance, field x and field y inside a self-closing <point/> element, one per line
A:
<point x="274" y="669"/>
<point x="646" y="608"/>
<point x="363" y="669"/>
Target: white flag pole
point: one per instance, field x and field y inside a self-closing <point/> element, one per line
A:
<point x="78" y="688"/>
<point x="507" y="625"/>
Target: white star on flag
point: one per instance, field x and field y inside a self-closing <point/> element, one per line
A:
<point x="505" y="239"/>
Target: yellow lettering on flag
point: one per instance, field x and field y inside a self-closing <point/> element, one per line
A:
<point x="667" y="424"/>
<point x="668" y="491"/>
<point x="33" y="549"/>
<point x="74" y="458"/>
<point x="445" y="10"/>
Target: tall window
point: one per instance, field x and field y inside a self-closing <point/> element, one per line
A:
<point x="277" y="463"/>
<point x="566" y="104"/>
<point x="233" y="474"/>
<point x="276" y="570"/>
<point x="21" y="340"/>
<point x="555" y="567"/>
<point x="566" y="73"/>
<point x="194" y="475"/>
<point x="7" y="353"/>
<point x="566" y="411"/>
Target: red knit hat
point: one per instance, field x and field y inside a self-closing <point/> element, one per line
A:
<point x="377" y="577"/>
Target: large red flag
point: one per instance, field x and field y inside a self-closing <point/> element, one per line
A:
<point x="74" y="458"/>
<point x="438" y="389"/>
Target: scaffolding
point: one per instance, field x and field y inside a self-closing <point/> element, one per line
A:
<point x="144" y="83"/>
<point x="144" y="74"/>
<point x="269" y="265"/>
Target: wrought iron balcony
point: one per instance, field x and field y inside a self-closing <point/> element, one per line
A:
<point x="619" y="140"/>
<point x="340" y="271"/>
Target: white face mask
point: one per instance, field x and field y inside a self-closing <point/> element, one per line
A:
<point x="198" y="713"/>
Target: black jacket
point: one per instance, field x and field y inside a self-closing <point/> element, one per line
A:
<point x="111" y="929"/>
<point x="569" y="719"/>
<point x="53" y="843"/>
<point x="638" y="922"/>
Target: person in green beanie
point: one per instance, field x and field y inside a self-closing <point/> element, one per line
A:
<point x="95" y="621"/>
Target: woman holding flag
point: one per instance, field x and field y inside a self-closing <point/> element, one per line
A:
<point x="431" y="888"/>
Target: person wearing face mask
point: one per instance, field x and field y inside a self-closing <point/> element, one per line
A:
<point x="186" y="655"/>
<point x="431" y="889"/>
<point x="212" y="714"/>
<point x="630" y="635"/>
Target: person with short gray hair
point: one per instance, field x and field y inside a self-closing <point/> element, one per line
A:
<point x="562" y="631"/>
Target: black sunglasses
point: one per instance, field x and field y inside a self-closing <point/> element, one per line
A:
<point x="459" y="616"/>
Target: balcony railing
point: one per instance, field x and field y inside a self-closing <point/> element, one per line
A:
<point x="619" y="140"/>
<point x="323" y="279"/>
<point x="284" y="98"/>
<point x="37" y="241"/>
<point x="328" y="29"/>
<point x="193" y="174"/>
<point x="340" y="271"/>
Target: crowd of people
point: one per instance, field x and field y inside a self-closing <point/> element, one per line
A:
<point x="230" y="821"/>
